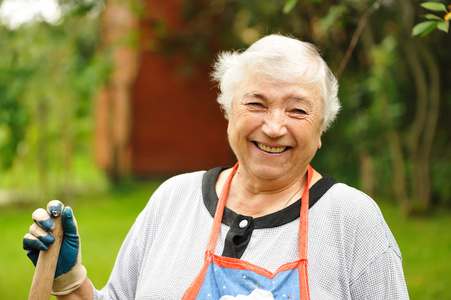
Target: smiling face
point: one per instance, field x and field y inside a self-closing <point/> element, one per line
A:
<point x="274" y="129"/>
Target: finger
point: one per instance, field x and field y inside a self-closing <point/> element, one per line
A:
<point x="54" y="208"/>
<point x="30" y="242"/>
<point x="33" y="255"/>
<point x="68" y="221"/>
<point x="41" y="234"/>
<point x="43" y="219"/>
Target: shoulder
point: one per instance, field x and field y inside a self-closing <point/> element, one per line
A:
<point x="182" y="179"/>
<point x="174" y="193"/>
<point x="180" y="184"/>
<point x="355" y="208"/>
<point x="350" y="204"/>
<point x="175" y="199"/>
<point x="356" y="222"/>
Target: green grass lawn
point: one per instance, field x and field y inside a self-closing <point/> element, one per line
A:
<point x="104" y="220"/>
<point x="425" y="243"/>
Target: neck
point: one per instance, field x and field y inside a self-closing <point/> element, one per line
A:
<point x="259" y="198"/>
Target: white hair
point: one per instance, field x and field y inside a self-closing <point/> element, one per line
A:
<point x="281" y="59"/>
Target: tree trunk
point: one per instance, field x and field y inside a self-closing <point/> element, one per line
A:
<point x="113" y="125"/>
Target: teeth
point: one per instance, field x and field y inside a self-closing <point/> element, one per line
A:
<point x="271" y="149"/>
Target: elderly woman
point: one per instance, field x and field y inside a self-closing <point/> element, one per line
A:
<point x="271" y="227"/>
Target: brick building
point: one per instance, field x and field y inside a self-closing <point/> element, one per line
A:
<point x="151" y="120"/>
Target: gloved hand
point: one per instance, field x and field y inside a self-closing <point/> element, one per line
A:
<point x="70" y="273"/>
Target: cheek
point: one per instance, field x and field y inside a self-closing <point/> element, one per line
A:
<point x="232" y="132"/>
<point x="238" y="122"/>
<point x="231" y="138"/>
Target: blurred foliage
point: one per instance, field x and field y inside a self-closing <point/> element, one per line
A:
<point x="49" y="74"/>
<point x="391" y="138"/>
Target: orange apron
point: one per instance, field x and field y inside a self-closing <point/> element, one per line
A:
<point x="223" y="278"/>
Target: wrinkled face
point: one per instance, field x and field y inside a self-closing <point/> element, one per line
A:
<point x="275" y="128"/>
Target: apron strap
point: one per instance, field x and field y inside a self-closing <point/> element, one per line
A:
<point x="212" y="240"/>
<point x="303" y="217"/>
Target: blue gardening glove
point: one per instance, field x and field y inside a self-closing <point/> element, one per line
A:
<point x="70" y="273"/>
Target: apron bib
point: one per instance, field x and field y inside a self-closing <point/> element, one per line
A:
<point x="225" y="278"/>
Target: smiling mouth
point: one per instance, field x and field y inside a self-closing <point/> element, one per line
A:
<point x="270" y="149"/>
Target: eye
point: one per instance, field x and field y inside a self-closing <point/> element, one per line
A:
<point x="298" y="111"/>
<point x="255" y="105"/>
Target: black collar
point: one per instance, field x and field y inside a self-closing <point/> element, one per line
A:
<point x="282" y="217"/>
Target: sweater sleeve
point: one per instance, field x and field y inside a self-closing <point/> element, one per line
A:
<point x="124" y="277"/>
<point x="383" y="278"/>
<point x="150" y="244"/>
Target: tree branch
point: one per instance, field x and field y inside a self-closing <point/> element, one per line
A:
<point x="356" y="35"/>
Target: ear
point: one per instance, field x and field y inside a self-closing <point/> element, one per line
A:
<point x="320" y="143"/>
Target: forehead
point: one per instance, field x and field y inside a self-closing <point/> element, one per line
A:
<point x="268" y="89"/>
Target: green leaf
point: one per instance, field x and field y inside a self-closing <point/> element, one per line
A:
<point x="335" y="12"/>
<point x="434" y="6"/>
<point x="289" y="5"/>
<point x="443" y="26"/>
<point x="433" y="17"/>
<point x="424" y="28"/>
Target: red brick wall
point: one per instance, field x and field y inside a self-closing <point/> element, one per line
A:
<point x="113" y="103"/>
<point x="177" y="125"/>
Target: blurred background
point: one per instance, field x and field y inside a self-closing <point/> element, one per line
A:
<point x="100" y="101"/>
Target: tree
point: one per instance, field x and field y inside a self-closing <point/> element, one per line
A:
<point x="50" y="74"/>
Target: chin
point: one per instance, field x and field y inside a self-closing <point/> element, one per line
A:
<point x="269" y="173"/>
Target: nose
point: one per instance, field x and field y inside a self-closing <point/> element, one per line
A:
<point x="274" y="124"/>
